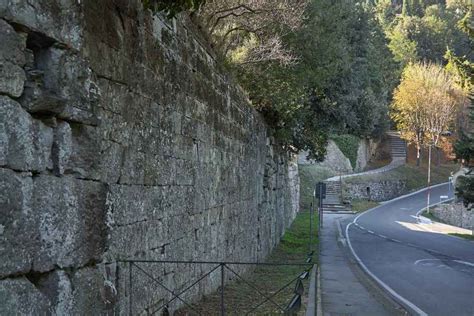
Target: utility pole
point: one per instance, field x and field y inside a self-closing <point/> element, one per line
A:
<point x="429" y="179"/>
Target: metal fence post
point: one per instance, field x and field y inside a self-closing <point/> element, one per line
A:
<point x="222" y="290"/>
<point x="311" y="227"/>
<point x="130" y="288"/>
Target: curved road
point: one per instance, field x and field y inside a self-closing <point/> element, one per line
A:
<point x="428" y="272"/>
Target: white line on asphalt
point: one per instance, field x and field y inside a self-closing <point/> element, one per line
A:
<point x="385" y="286"/>
<point x="421" y="260"/>
<point x="465" y="262"/>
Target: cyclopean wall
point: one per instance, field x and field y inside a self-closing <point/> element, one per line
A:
<point x="121" y="138"/>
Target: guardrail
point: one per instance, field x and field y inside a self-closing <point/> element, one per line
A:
<point x="142" y="267"/>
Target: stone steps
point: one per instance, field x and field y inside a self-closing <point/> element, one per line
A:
<point x="333" y="202"/>
<point x="397" y="145"/>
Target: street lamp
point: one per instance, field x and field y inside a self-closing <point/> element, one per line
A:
<point x="431" y="143"/>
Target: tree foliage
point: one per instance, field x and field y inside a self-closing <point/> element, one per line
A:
<point x="251" y="31"/>
<point x="173" y="7"/>
<point x="315" y="68"/>
<point x="340" y="83"/>
<point x="425" y="104"/>
<point x="421" y="30"/>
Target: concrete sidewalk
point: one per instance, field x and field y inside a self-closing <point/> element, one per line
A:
<point x="345" y="289"/>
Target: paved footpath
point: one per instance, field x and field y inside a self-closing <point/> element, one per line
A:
<point x="341" y="287"/>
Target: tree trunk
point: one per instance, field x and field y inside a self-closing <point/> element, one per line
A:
<point x="438" y="156"/>
<point x="418" y="155"/>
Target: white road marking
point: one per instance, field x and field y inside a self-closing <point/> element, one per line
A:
<point x="423" y="260"/>
<point x="415" y="308"/>
<point x="465" y="262"/>
<point x="431" y="263"/>
<point x="418" y="310"/>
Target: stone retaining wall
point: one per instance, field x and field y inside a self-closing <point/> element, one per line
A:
<point x="379" y="191"/>
<point x="366" y="151"/>
<point x="338" y="162"/>
<point x="334" y="159"/>
<point x="122" y="138"/>
<point x="455" y="214"/>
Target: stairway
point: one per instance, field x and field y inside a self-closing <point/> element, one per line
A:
<point x="333" y="202"/>
<point x="397" y="146"/>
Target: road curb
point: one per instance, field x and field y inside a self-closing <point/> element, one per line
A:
<point x="312" y="294"/>
<point x="319" y="304"/>
<point x="341" y="239"/>
<point x="366" y="279"/>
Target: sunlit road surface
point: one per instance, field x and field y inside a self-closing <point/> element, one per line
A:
<point x="428" y="271"/>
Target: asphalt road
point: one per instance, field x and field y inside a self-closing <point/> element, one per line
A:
<point x="428" y="272"/>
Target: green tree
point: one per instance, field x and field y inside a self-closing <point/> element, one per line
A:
<point x="425" y="104"/>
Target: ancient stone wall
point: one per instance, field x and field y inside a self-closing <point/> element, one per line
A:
<point x="122" y="138"/>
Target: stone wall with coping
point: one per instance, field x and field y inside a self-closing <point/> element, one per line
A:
<point x="455" y="214"/>
<point x="338" y="162"/>
<point x="365" y="152"/>
<point x="334" y="159"/>
<point x="121" y="137"/>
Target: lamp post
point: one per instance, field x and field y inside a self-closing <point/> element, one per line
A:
<point x="433" y="142"/>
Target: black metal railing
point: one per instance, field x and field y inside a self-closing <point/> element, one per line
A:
<point x="286" y="304"/>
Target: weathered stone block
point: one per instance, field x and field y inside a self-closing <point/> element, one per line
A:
<point x="38" y="98"/>
<point x="25" y="142"/>
<point x="13" y="44"/>
<point x="62" y="147"/>
<point x="84" y="159"/>
<point x="18" y="238"/>
<point x="93" y="293"/>
<point x="57" y="287"/>
<point x="20" y="297"/>
<point x="12" y="79"/>
<point x="57" y="18"/>
<point x="111" y="160"/>
<point x="71" y="221"/>
<point x="61" y="83"/>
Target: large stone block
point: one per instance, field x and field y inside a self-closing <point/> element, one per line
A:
<point x="20" y="297"/>
<point x="84" y="159"/>
<point x="71" y="221"/>
<point x="57" y="287"/>
<point x="70" y="77"/>
<point x="62" y="147"/>
<point x="13" y="44"/>
<point x="25" y="142"/>
<point x="93" y="293"/>
<point x="59" y="19"/>
<point x="18" y="237"/>
<point x="12" y="79"/>
<point x="39" y="98"/>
